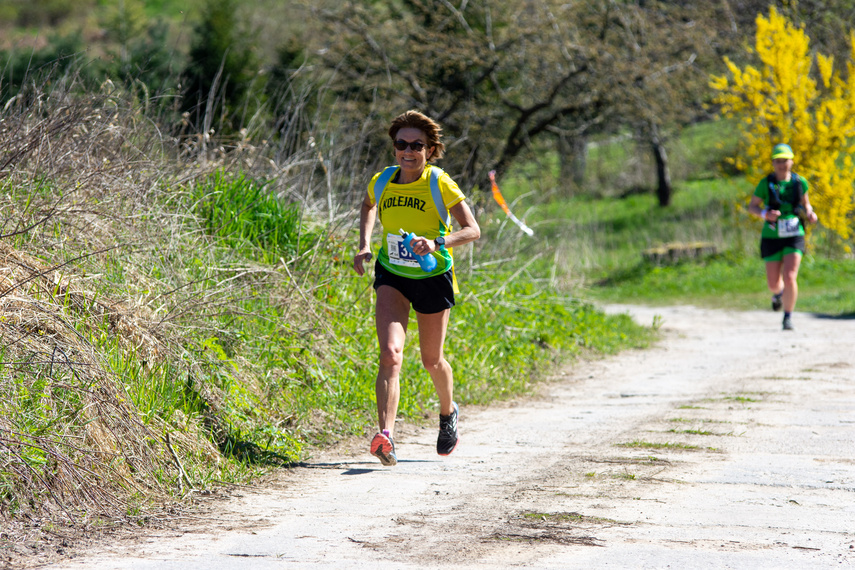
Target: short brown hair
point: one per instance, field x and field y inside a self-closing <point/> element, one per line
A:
<point x="414" y="120"/>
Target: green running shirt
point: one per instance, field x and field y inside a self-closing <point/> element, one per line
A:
<point x="788" y="224"/>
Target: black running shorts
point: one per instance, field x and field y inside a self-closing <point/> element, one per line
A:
<point x="769" y="247"/>
<point x="427" y="296"/>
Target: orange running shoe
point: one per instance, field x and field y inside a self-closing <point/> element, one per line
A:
<point x="383" y="448"/>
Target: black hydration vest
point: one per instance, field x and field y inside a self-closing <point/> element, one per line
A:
<point x="774" y="202"/>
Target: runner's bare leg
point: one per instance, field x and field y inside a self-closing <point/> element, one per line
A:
<point x="391" y="318"/>
<point x="791" y="264"/>
<point x="432" y="329"/>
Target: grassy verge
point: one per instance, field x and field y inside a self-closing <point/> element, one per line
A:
<point x="728" y="281"/>
<point x="603" y="234"/>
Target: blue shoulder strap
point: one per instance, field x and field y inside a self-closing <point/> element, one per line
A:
<point x="436" y="194"/>
<point x="383" y="181"/>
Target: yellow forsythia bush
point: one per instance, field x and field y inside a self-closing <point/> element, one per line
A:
<point x="782" y="101"/>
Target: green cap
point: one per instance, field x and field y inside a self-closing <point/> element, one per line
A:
<point x="782" y="151"/>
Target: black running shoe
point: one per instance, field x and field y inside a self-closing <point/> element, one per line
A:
<point x="788" y="323"/>
<point x="777" y="301"/>
<point x="448" y="436"/>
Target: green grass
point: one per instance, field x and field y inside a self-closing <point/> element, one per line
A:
<point x="597" y="238"/>
<point x="697" y="432"/>
<point x="245" y="213"/>
<point x="639" y="444"/>
<point x="730" y="281"/>
<point x="741" y="399"/>
<point x="567" y="518"/>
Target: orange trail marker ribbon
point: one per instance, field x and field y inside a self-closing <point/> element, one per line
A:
<point x="497" y="195"/>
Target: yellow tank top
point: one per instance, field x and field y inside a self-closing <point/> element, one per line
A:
<point x="411" y="207"/>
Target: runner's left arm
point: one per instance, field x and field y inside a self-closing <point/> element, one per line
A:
<point x="469" y="231"/>
<point x="811" y="215"/>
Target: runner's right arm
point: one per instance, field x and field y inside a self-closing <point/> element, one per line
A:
<point x="367" y="217"/>
<point x="755" y="208"/>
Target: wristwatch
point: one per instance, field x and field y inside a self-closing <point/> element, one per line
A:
<point x="440" y="242"/>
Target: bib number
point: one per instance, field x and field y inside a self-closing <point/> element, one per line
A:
<point x="788" y="227"/>
<point x="398" y="254"/>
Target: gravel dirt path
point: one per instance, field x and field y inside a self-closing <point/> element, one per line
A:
<point x="730" y="444"/>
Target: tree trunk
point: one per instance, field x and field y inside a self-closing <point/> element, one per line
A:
<point x="663" y="173"/>
<point x="573" y="157"/>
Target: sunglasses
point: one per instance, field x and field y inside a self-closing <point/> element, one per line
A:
<point x="415" y="145"/>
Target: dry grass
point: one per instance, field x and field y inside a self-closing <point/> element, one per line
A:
<point x="78" y="177"/>
<point x="105" y="273"/>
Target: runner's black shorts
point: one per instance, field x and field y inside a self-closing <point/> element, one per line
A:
<point x="427" y="296"/>
<point x="772" y="246"/>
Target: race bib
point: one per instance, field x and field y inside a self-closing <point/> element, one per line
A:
<point x="398" y="254"/>
<point x="788" y="227"/>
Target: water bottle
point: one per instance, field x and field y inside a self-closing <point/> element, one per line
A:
<point x="426" y="262"/>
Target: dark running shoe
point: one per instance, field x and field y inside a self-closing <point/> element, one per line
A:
<point x="448" y="436"/>
<point x="788" y="323"/>
<point x="777" y="301"/>
<point x="383" y="448"/>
